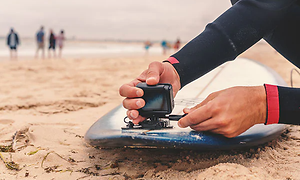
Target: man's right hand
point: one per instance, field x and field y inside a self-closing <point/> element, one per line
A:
<point x="156" y="73"/>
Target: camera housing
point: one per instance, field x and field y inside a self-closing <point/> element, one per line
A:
<point x="159" y="100"/>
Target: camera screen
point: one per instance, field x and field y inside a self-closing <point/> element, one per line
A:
<point x="155" y="101"/>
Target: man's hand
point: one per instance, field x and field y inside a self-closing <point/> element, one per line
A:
<point x="156" y="73"/>
<point x="229" y="112"/>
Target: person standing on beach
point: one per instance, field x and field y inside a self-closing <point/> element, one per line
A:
<point x="147" y="44"/>
<point x="164" y="46"/>
<point x="231" y="111"/>
<point x="12" y="42"/>
<point x="40" y="42"/>
<point x="51" y="44"/>
<point x="177" y="44"/>
<point x="60" y="41"/>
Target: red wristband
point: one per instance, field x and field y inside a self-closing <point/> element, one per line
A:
<point x="172" y="60"/>
<point x="272" y="104"/>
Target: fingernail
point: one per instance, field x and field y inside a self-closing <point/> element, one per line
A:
<point x="132" y="115"/>
<point x="151" y="79"/>
<point x="139" y="93"/>
<point x="179" y="124"/>
<point x="186" y="110"/>
<point x="138" y="103"/>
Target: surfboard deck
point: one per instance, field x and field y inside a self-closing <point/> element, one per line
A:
<point x="107" y="132"/>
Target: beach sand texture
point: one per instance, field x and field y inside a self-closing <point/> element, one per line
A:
<point x="47" y="106"/>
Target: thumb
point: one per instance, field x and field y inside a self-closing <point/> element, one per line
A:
<point x="153" y="73"/>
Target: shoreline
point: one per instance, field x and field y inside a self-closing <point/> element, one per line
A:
<point x="84" y="49"/>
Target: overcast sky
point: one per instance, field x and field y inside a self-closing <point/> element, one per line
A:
<point x="111" y="19"/>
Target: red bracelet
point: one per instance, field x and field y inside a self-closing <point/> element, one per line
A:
<point x="272" y="104"/>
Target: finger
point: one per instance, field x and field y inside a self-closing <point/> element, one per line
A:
<point x="153" y="74"/>
<point x="135" y="103"/>
<point x="217" y="131"/>
<point x="138" y="120"/>
<point x="129" y="90"/>
<point x="195" y="117"/>
<point x="186" y="110"/>
<point x="205" y="101"/>
<point x="207" y="125"/>
<point x="134" y="116"/>
<point x="142" y="77"/>
<point x="227" y="132"/>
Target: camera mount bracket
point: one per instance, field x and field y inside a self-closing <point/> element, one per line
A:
<point x="152" y="123"/>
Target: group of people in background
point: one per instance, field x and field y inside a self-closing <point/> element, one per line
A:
<point x="53" y="40"/>
<point x="13" y="41"/>
<point x="165" y="45"/>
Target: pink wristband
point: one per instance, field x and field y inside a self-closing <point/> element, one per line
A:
<point x="172" y="60"/>
<point x="272" y="104"/>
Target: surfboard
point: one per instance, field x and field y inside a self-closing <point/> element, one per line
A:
<point x="107" y="132"/>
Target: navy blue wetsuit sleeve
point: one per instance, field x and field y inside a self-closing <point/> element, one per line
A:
<point x="289" y="105"/>
<point x="241" y="26"/>
<point x="285" y="38"/>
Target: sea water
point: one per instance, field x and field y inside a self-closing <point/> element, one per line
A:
<point x="72" y="48"/>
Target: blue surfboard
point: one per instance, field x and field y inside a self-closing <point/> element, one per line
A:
<point x="107" y="132"/>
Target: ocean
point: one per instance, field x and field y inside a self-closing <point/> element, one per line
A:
<point x="28" y="47"/>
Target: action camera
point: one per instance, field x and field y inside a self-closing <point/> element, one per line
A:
<point x="159" y="100"/>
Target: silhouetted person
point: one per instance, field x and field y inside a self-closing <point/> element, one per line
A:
<point x="60" y="41"/>
<point x="147" y="44"/>
<point x="177" y="44"/>
<point x="52" y="43"/>
<point x="12" y="42"/>
<point x="40" y="38"/>
<point x="164" y="46"/>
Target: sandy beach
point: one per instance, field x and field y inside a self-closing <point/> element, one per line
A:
<point x="46" y="106"/>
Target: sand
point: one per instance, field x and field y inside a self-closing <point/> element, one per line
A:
<point x="47" y="106"/>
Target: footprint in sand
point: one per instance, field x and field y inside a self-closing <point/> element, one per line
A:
<point x="6" y="121"/>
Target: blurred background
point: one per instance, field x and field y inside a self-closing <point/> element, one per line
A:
<point x="105" y="27"/>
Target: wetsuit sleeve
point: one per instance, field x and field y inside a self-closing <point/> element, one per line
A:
<point x="241" y="26"/>
<point x="283" y="105"/>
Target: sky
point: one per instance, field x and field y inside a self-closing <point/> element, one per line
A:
<point x="111" y="19"/>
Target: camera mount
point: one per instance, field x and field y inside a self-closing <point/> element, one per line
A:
<point x="153" y="123"/>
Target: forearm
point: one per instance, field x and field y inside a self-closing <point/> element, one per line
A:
<point x="233" y="32"/>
